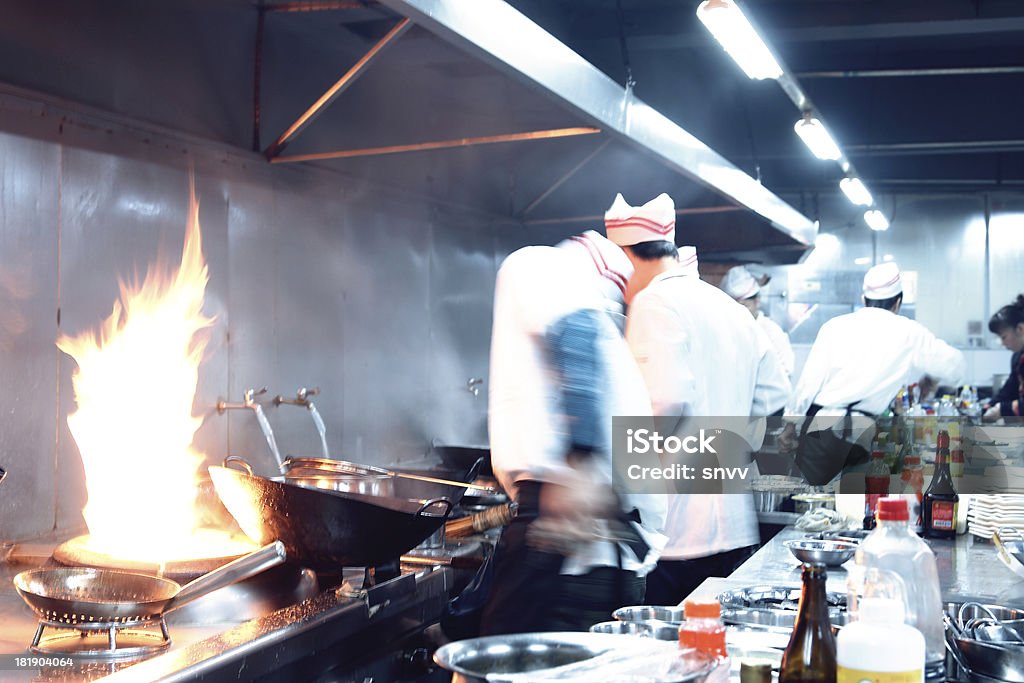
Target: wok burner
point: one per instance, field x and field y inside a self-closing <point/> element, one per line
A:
<point x="78" y="552"/>
<point x="118" y="641"/>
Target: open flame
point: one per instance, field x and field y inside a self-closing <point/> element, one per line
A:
<point x="134" y="386"/>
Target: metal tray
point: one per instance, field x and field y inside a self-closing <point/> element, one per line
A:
<point x="774" y="606"/>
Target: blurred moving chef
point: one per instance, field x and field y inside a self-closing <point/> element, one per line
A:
<point x="703" y="355"/>
<point x="859" y="361"/>
<point x="560" y="369"/>
<point x="741" y="286"/>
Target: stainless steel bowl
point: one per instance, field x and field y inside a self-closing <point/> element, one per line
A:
<point x="508" y="657"/>
<point x="672" y="615"/>
<point x="805" y="502"/>
<point x="631" y="628"/>
<point x="650" y="628"/>
<point x="828" y="553"/>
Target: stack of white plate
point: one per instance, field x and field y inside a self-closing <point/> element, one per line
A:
<point x="988" y="513"/>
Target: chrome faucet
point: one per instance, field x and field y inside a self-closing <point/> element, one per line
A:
<point x="301" y="397"/>
<point x="248" y="401"/>
<point x="473" y="385"/>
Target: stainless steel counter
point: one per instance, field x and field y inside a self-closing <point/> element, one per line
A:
<point x="969" y="568"/>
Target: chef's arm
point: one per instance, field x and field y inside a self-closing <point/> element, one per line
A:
<point x="938" y="359"/>
<point x="772" y="387"/>
<point x="1009" y="392"/>
<point x="572" y="344"/>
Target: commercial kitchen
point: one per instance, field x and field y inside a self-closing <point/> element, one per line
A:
<point x="248" y="263"/>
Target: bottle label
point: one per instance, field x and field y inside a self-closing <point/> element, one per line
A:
<point x="943" y="515"/>
<point x="846" y="675"/>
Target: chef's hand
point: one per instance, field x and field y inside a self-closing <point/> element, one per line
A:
<point x="787" y="439"/>
<point x="992" y="414"/>
<point x="576" y="493"/>
<point x="928" y="385"/>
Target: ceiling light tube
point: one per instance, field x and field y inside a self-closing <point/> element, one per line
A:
<point x="726" y="22"/>
<point x="856" y="191"/>
<point x="876" y="220"/>
<point x="817" y="139"/>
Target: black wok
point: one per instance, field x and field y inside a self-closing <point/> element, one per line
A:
<point x="325" y="529"/>
<point x="463" y="457"/>
<point x="74" y="595"/>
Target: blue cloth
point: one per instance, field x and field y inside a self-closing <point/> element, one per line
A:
<point x="574" y="354"/>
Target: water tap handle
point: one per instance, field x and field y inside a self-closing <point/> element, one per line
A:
<point x="304" y="393"/>
<point x="251" y="394"/>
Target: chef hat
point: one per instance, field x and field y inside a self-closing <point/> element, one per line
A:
<point x="688" y="259"/>
<point x="882" y="281"/>
<point x="654" y="221"/>
<point x="609" y="261"/>
<point x="740" y="284"/>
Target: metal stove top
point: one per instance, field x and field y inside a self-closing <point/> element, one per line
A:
<point x="296" y="632"/>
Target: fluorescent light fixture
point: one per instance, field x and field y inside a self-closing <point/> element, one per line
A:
<point x="876" y="220"/>
<point x="888" y="257"/>
<point x="856" y="192"/>
<point x="862" y="260"/>
<point x="817" y="139"/>
<point x="725" y="20"/>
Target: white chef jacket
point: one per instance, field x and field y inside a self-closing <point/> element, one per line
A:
<point x="780" y="342"/>
<point x="536" y="287"/>
<point x="866" y="356"/>
<point x="702" y="354"/>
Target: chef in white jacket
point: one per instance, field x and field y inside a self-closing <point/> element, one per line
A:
<point x="859" y="361"/>
<point x="701" y="354"/>
<point x="560" y="369"/>
<point x="741" y="286"/>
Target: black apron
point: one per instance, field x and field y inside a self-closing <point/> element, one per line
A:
<point x="821" y="455"/>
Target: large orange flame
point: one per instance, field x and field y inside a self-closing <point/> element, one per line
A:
<point x="135" y="385"/>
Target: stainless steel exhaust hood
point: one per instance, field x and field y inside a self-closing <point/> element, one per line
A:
<point x="608" y="140"/>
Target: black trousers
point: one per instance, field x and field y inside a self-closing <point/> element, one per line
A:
<point x="530" y="594"/>
<point x="673" y="580"/>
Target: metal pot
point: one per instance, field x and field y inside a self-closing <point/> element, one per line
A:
<point x="365" y="484"/>
<point x="485" y="660"/>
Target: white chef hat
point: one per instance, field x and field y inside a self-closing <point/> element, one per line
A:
<point x="688" y="259"/>
<point x="610" y="262"/>
<point x="883" y="281"/>
<point x="654" y="221"/>
<point x="740" y="284"/>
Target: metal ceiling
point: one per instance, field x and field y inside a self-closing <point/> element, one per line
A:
<point x="922" y="95"/>
<point x="249" y="75"/>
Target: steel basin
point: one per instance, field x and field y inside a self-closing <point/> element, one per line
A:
<point x="484" y="660"/>
<point x="367" y="485"/>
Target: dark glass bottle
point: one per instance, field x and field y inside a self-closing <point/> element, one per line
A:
<point x="941" y="499"/>
<point x="810" y="656"/>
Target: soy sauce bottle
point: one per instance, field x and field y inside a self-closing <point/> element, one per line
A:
<point x="941" y="499"/>
<point x="810" y="656"/>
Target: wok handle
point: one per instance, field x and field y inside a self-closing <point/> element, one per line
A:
<point x="431" y="503"/>
<point x="238" y="460"/>
<point x="244" y="567"/>
<point x="445" y="482"/>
